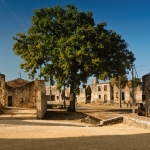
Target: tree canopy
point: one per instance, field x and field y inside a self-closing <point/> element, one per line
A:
<point x="68" y="47"/>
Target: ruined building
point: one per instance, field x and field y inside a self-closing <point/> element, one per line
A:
<point x="105" y="93"/>
<point x="95" y="93"/>
<point x="53" y="94"/>
<point x="19" y="92"/>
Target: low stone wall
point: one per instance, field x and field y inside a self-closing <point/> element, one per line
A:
<point x="41" y="104"/>
<point x="111" y="121"/>
<point x="137" y="122"/>
<point x="91" y="120"/>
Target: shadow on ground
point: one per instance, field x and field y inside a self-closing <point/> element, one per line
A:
<point x="63" y="115"/>
<point x="120" y="111"/>
<point x="101" y="142"/>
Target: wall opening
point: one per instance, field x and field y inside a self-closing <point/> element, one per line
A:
<point x="122" y="95"/>
<point x="105" y="87"/>
<point x="52" y="97"/>
<point x="105" y="98"/>
<point x="10" y="101"/>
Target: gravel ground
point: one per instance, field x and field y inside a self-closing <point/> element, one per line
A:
<point x="63" y="131"/>
<point x="60" y="135"/>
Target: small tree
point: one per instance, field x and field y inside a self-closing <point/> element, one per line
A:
<point x="136" y="82"/>
<point x="120" y="81"/>
<point x="68" y="47"/>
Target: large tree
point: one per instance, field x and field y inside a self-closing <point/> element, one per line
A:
<point x="67" y="47"/>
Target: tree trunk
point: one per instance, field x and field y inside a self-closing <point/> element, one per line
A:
<point x="64" y="102"/>
<point x="72" y="99"/>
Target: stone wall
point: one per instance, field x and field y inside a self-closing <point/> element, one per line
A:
<point x="127" y="94"/>
<point x="146" y="92"/>
<point x="19" y="92"/>
<point x="104" y="94"/>
<point x="23" y="96"/>
<point x="52" y="94"/>
<point x="101" y="92"/>
<point x="98" y="93"/>
<point x="2" y="90"/>
<point x="81" y="98"/>
<point x="41" y="104"/>
<point x="22" y="93"/>
<point x="110" y="95"/>
<point x="138" y="94"/>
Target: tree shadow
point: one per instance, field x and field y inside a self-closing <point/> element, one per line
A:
<point x="11" y="123"/>
<point x="120" y="111"/>
<point x="101" y="142"/>
<point x="63" y="115"/>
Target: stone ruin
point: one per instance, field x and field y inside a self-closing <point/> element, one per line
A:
<point x="23" y="93"/>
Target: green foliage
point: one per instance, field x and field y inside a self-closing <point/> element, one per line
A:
<point x="120" y="81"/>
<point x="66" y="45"/>
<point x="136" y="82"/>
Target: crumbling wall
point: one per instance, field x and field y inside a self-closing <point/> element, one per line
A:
<point x="26" y="94"/>
<point x="146" y="92"/>
<point x="101" y="93"/>
<point x="81" y="98"/>
<point x="41" y="104"/>
<point x="2" y="90"/>
<point x="23" y="96"/>
<point x="138" y="94"/>
<point x="127" y="94"/>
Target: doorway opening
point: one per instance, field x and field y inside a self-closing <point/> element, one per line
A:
<point x="9" y="101"/>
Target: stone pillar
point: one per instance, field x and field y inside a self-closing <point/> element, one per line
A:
<point x="2" y="90"/>
<point x="41" y="104"/>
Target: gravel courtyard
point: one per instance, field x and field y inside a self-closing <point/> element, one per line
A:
<point x="60" y="135"/>
<point x="64" y="131"/>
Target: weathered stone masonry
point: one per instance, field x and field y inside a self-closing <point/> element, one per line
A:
<point x="22" y="93"/>
<point x="2" y="89"/>
<point x="23" y="96"/>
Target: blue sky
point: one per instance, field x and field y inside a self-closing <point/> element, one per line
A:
<point x="129" y="18"/>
